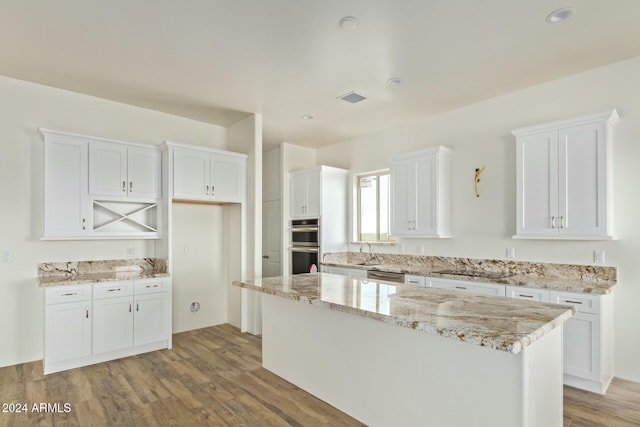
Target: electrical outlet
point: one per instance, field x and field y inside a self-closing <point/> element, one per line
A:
<point x="510" y="253"/>
<point x="421" y="249"/>
<point x="131" y="252"/>
<point x="7" y="256"/>
<point x="598" y="257"/>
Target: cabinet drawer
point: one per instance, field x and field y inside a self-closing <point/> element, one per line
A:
<point x="411" y="279"/>
<point x="150" y="286"/>
<point x="113" y="289"/>
<point x="531" y="294"/>
<point x="62" y="294"/>
<point x="467" y="286"/>
<point x="582" y="302"/>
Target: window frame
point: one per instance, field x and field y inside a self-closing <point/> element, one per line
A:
<point x="377" y="174"/>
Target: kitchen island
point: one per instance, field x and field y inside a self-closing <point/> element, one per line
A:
<point x="393" y="354"/>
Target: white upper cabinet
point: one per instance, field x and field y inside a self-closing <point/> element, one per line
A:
<point x="421" y="193"/>
<point x="305" y="194"/>
<point x="66" y="207"/>
<point x="563" y="173"/>
<point x="95" y="188"/>
<point x="209" y="175"/>
<point x="120" y="170"/>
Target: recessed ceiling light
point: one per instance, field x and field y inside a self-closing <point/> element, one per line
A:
<point x="348" y="23"/>
<point x="560" y="15"/>
<point x="394" y="81"/>
<point x="308" y="117"/>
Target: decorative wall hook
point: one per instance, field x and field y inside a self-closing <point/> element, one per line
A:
<point x="476" y="180"/>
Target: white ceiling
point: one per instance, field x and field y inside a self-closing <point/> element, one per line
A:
<point x="217" y="60"/>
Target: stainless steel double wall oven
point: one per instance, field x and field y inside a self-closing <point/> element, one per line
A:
<point x="305" y="245"/>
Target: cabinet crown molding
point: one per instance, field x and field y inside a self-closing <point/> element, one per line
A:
<point x="316" y="169"/>
<point x="172" y="144"/>
<point x="53" y="132"/>
<point x="427" y="151"/>
<point x="611" y="117"/>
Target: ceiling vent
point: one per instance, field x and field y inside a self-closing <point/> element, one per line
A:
<point x="352" y="97"/>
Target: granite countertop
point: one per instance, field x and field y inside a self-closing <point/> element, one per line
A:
<point x="79" y="279"/>
<point x="499" y="323"/>
<point x="598" y="287"/>
<point x="83" y="272"/>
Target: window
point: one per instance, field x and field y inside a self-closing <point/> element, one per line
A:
<point x="373" y="207"/>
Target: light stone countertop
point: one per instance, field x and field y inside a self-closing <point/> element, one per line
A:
<point x="80" y="279"/>
<point x="495" y="322"/>
<point x="568" y="284"/>
<point x="83" y="272"/>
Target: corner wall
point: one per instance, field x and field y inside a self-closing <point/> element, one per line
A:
<point x="24" y="107"/>
<point x="479" y="135"/>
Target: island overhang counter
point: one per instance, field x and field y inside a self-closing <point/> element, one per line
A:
<point x="394" y="354"/>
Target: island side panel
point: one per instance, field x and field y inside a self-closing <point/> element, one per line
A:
<point x="382" y="374"/>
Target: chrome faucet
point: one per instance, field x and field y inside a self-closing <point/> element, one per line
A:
<point x="370" y="250"/>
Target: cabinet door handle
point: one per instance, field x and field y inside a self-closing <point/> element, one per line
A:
<point x="137" y="305"/>
<point x="213" y="189"/>
<point x="130" y="185"/>
<point x="525" y="296"/>
<point x="124" y="186"/>
<point x="553" y="222"/>
<point x="86" y="312"/>
<point x="84" y="224"/>
<point x="206" y="189"/>
<point x="561" y="222"/>
<point x="130" y="306"/>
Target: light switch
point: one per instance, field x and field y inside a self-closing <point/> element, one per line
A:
<point x="7" y="256"/>
<point x="598" y="257"/>
<point x="510" y="253"/>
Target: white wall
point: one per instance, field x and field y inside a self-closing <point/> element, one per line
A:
<point x="480" y="135"/>
<point x="24" y="107"/>
<point x="199" y="274"/>
<point x="246" y="136"/>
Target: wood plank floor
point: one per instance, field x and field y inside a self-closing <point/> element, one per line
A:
<point x="213" y="376"/>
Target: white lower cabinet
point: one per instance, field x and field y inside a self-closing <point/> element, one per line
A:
<point x="587" y="341"/>
<point x="151" y="314"/>
<point x="112" y="316"/>
<point x="92" y="323"/>
<point x="412" y="279"/>
<point x="529" y="294"/>
<point x="67" y="324"/>
<point x="466" y="286"/>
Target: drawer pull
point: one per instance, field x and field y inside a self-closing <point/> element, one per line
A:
<point x="460" y="287"/>
<point x="525" y="296"/>
<point x="114" y="289"/>
<point x="413" y="281"/>
<point x="69" y="294"/>
<point x="573" y="302"/>
<point x="152" y="286"/>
